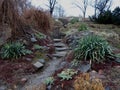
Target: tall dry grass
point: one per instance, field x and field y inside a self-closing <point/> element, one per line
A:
<point x="22" y="23"/>
<point x="38" y="19"/>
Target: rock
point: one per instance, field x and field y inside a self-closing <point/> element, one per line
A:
<point x="54" y="58"/>
<point x="51" y="49"/>
<point x="3" y="87"/>
<point x="42" y="61"/>
<point x="84" y="67"/>
<point x="42" y="87"/>
<point x="49" y="87"/>
<point x="29" y="59"/>
<point x="59" y="54"/>
<point x="107" y="88"/>
<point x="100" y="72"/>
<point x="23" y="80"/>
<point x="59" y="45"/>
<point x="61" y="49"/>
<point x="38" y="65"/>
<point x="93" y="73"/>
<point x="100" y="76"/>
<point x="62" y="64"/>
<point x="70" y="56"/>
<point x="33" y="39"/>
<point x="49" y="56"/>
<point x="57" y="40"/>
<point x="117" y="60"/>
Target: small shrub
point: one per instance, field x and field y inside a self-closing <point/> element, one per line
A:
<point x="82" y="27"/>
<point x="37" y="47"/>
<point x="67" y="74"/>
<point x="14" y="50"/>
<point x="40" y="35"/>
<point x="74" y="20"/>
<point x="93" y="48"/>
<point x="49" y="81"/>
<point x="84" y="82"/>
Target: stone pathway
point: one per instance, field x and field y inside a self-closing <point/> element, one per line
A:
<point x="52" y="65"/>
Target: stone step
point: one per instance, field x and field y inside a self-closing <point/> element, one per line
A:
<point x="57" y="40"/>
<point x="61" y="49"/>
<point x="59" y="54"/>
<point x="38" y="65"/>
<point x="59" y="44"/>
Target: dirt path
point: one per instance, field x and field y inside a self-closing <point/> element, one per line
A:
<point x="60" y="51"/>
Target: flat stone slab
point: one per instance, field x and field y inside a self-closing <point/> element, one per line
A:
<point x="33" y="39"/>
<point x="57" y="40"/>
<point x="117" y="60"/>
<point x="59" y="44"/>
<point x="41" y="61"/>
<point x="59" y="54"/>
<point x="38" y="65"/>
<point x="61" y="49"/>
<point x="84" y="67"/>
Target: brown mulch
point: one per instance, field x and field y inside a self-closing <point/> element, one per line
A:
<point x="11" y="72"/>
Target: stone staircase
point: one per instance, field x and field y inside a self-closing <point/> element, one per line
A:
<point x="60" y="48"/>
<point x="60" y="51"/>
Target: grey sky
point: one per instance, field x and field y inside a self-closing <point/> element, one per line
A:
<point x="70" y="9"/>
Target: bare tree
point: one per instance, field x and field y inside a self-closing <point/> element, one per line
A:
<point x="59" y="11"/>
<point x="82" y="6"/>
<point x="51" y="5"/>
<point x="23" y="4"/>
<point x="101" y="5"/>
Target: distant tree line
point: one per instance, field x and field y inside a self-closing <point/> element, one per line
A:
<point x="107" y="17"/>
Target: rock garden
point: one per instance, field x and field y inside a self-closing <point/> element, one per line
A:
<point x="38" y="52"/>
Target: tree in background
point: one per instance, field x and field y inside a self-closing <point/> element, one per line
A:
<point x="23" y="4"/>
<point x="59" y="11"/>
<point x="51" y="5"/>
<point x="82" y="6"/>
<point x="100" y="6"/>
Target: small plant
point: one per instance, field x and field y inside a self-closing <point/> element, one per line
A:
<point x="37" y="47"/>
<point x="75" y="62"/>
<point x="14" y="50"/>
<point x="67" y="74"/>
<point x="83" y="82"/>
<point x="74" y="20"/>
<point x="49" y="81"/>
<point x="40" y="35"/>
<point x="93" y="48"/>
<point x="82" y="27"/>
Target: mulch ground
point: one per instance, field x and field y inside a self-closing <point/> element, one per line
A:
<point x="11" y="72"/>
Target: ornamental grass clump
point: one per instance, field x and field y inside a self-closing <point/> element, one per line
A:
<point x="93" y="48"/>
<point x="14" y="50"/>
<point x="82" y="27"/>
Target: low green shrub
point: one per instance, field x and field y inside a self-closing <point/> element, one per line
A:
<point x="13" y="50"/>
<point x="49" y="80"/>
<point x="67" y="74"/>
<point x="37" y="47"/>
<point x="93" y="48"/>
<point x="82" y="27"/>
<point x="40" y="35"/>
<point x="74" y="20"/>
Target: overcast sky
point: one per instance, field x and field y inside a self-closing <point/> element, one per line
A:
<point x="70" y="9"/>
